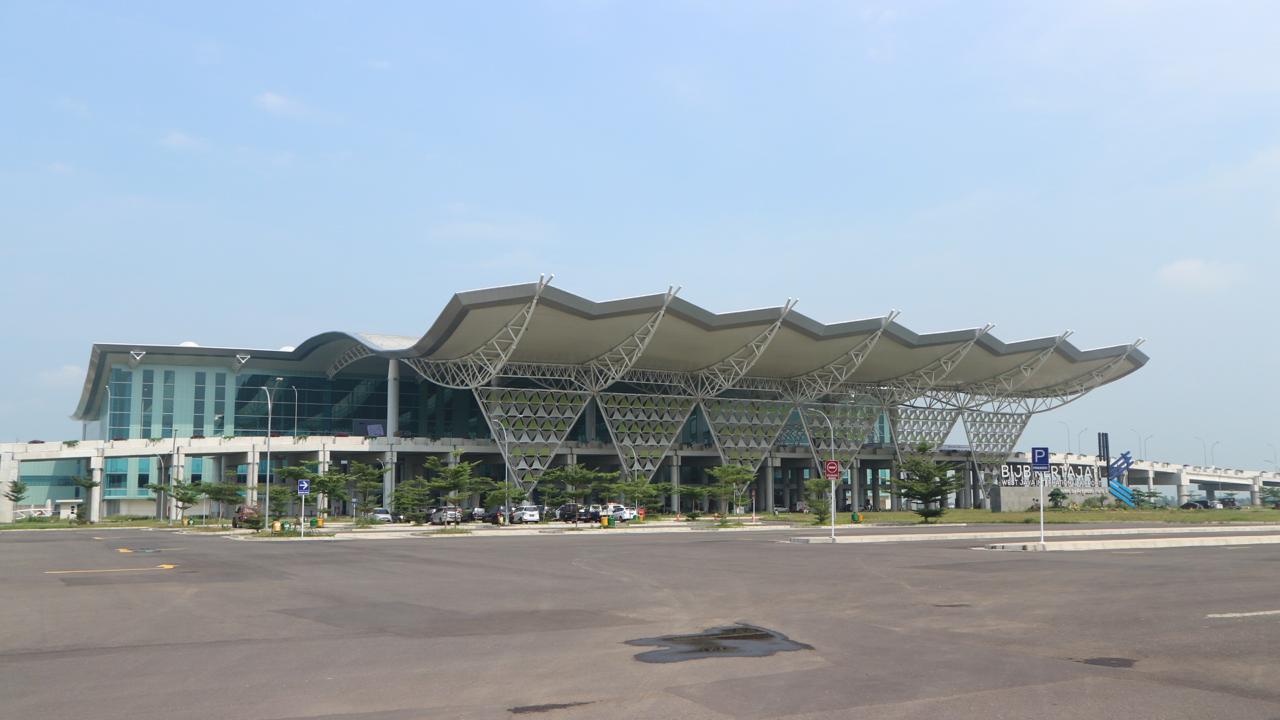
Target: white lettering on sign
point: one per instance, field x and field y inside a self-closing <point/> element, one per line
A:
<point x="1059" y="475"/>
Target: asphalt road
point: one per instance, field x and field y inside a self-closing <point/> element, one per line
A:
<point x="502" y="627"/>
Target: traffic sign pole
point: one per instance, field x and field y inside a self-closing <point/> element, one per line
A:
<point x="1040" y="465"/>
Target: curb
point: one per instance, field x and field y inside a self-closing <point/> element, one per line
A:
<point x="1152" y="543"/>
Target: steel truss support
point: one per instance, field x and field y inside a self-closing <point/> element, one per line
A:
<point x="827" y="379"/>
<point x="714" y="379"/>
<point x="482" y="364"/>
<point x="529" y="426"/>
<point x="913" y="426"/>
<point x="745" y="430"/>
<point x="602" y="371"/>
<point x="1058" y="395"/>
<point x="644" y="427"/>
<point x="907" y="388"/>
<point x="918" y="414"/>
<point x="852" y="424"/>
<point x="355" y="352"/>
<point x="992" y="437"/>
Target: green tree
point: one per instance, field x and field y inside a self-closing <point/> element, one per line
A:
<point x="730" y="481"/>
<point x="282" y="496"/>
<point x="1147" y="498"/>
<point x="639" y="491"/>
<point x="455" y="483"/>
<point x="17" y="492"/>
<point x="817" y="495"/>
<point x="184" y="495"/>
<point x="1057" y="498"/>
<point x="224" y="493"/>
<point x="365" y="482"/>
<point x="576" y="483"/>
<point x="413" y="498"/>
<point x="926" y="482"/>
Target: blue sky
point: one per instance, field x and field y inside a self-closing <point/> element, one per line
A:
<point x="254" y="173"/>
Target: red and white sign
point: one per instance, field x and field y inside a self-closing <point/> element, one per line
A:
<point x="831" y="469"/>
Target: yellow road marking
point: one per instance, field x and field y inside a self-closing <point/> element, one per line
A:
<point x="123" y="550"/>
<point x="69" y="572"/>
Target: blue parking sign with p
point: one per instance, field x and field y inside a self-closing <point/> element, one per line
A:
<point x="304" y="486"/>
<point x="1040" y="459"/>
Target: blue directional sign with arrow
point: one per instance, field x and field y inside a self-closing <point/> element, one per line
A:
<point x="304" y="486"/>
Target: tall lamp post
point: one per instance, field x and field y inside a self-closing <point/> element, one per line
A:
<point x="1275" y="458"/>
<point x="832" y="429"/>
<point x="1079" y="442"/>
<point x="160" y="480"/>
<point x="267" y="503"/>
<point x="1213" y="461"/>
<point x="1204" y="449"/>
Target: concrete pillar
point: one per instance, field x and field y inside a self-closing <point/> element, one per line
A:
<point x="1184" y="489"/>
<point x="786" y="490"/>
<point x="767" y="486"/>
<point x="322" y="467"/>
<point x="179" y="460"/>
<point x="673" y="471"/>
<point x="1255" y="492"/>
<point x="251" y="479"/>
<point x="1211" y="494"/>
<point x="388" y="477"/>
<point x="590" y="420"/>
<point x="393" y="402"/>
<point x="8" y="473"/>
<point x="94" y="500"/>
<point x="875" y="487"/>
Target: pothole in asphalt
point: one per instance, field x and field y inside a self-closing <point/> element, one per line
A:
<point x="1111" y="662"/>
<point x="739" y="640"/>
<point x="548" y="707"/>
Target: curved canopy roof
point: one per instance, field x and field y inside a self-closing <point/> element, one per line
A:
<point x="566" y="329"/>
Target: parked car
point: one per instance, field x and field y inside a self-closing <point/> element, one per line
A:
<point x="526" y="514"/>
<point x="1229" y="503"/>
<point x="1201" y="505"/>
<point x="246" y="517"/>
<point x="477" y="513"/>
<point x="620" y="512"/>
<point x="381" y="515"/>
<point x="446" y="515"/>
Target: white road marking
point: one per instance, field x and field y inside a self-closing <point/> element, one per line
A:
<point x="1243" y="614"/>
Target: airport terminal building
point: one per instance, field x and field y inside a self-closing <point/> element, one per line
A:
<point x="527" y="377"/>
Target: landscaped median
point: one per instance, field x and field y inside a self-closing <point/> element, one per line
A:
<point x="1254" y="534"/>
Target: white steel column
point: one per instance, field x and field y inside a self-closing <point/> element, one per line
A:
<point x="393" y="397"/>
<point x="322" y="467"/>
<point x="94" y="500"/>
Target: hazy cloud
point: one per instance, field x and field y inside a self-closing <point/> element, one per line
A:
<point x="1199" y="275"/>
<point x="61" y="377"/>
<point x="278" y="104"/>
<point x="177" y="140"/>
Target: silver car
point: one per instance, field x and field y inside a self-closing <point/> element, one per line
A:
<point x="446" y="515"/>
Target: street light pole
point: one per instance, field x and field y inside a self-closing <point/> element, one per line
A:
<point x="267" y="503"/>
<point x="1079" y="442"/>
<point x="832" y="509"/>
<point x="1213" y="461"/>
<point x="1064" y="424"/>
<point x="1275" y="458"/>
<point x="1204" y="449"/>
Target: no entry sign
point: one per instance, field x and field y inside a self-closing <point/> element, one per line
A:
<point x="831" y="469"/>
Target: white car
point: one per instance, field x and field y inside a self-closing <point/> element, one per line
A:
<point x="526" y="514"/>
<point x="381" y="515"/>
<point x="620" y="512"/>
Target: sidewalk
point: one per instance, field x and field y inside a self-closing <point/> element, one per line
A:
<point x="1035" y="534"/>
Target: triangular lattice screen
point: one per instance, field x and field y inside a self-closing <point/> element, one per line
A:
<point x="744" y="430"/>
<point x="530" y="425"/>
<point x="853" y="424"/>
<point x="913" y="426"/>
<point x="644" y="427"/>
<point x="793" y="434"/>
<point x="992" y="435"/>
